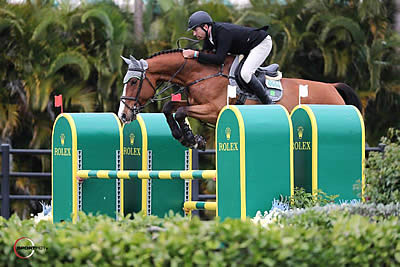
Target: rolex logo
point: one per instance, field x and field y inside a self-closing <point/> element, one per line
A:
<point x="62" y="138"/>
<point x="228" y="133"/>
<point x="300" y="131"/>
<point x="132" y="139"/>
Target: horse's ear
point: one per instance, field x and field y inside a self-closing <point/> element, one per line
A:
<point x="132" y="58"/>
<point x="127" y="61"/>
<point x="145" y="65"/>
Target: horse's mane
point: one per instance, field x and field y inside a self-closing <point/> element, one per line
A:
<point x="175" y="50"/>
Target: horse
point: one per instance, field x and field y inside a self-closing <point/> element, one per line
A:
<point x="206" y="90"/>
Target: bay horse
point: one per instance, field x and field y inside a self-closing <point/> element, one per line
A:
<point x="206" y="91"/>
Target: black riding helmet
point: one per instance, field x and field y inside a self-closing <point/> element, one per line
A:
<point x="199" y="18"/>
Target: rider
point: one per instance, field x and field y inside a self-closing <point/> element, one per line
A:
<point x="227" y="38"/>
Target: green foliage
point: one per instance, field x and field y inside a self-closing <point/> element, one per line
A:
<point x="303" y="199"/>
<point x="41" y="31"/>
<point x="383" y="171"/>
<point x="166" y="5"/>
<point x="350" y="25"/>
<point x="347" y="240"/>
<point x="103" y="17"/>
<point x="382" y="113"/>
<point x="46" y="50"/>
<point x="70" y="58"/>
<point x="317" y="215"/>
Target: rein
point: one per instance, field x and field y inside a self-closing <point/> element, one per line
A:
<point x="169" y="86"/>
<point x="220" y="73"/>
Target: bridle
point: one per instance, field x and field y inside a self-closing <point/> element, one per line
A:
<point x="137" y="107"/>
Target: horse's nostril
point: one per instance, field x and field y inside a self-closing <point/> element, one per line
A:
<point x="123" y="117"/>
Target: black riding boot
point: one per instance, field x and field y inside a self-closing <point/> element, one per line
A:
<point x="256" y="86"/>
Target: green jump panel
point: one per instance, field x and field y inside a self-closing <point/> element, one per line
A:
<point x="85" y="141"/>
<point x="254" y="159"/>
<point x="149" y="145"/>
<point x="329" y="149"/>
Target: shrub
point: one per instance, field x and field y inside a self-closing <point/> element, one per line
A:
<point x="382" y="171"/>
<point x="347" y="240"/>
<point x="373" y="211"/>
<point x="302" y="199"/>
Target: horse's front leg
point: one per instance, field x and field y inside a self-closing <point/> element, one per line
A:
<point x="201" y="112"/>
<point x="189" y="140"/>
<point x="168" y="109"/>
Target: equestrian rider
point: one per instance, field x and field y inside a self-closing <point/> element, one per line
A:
<point x="227" y="38"/>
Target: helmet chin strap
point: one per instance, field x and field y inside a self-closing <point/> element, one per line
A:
<point x="206" y="31"/>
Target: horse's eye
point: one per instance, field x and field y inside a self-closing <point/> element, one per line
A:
<point x="133" y="82"/>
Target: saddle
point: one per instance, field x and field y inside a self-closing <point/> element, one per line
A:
<point x="269" y="76"/>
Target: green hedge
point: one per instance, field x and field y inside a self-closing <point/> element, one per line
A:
<point x="374" y="211"/>
<point x="147" y="241"/>
<point x="383" y="171"/>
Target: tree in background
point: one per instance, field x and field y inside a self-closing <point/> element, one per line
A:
<point x="49" y="49"/>
<point x="138" y="21"/>
<point x="339" y="41"/>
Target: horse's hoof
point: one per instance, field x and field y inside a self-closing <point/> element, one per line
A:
<point x="188" y="144"/>
<point x="189" y="137"/>
<point x="184" y="143"/>
<point x="201" y="142"/>
<point x="193" y="146"/>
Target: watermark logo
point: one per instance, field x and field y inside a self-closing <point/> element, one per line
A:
<point x="24" y="247"/>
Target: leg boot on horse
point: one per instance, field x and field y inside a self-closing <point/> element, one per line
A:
<point x="169" y="108"/>
<point x="179" y="128"/>
<point x="192" y="141"/>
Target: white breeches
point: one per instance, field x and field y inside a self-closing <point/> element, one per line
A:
<point x="255" y="58"/>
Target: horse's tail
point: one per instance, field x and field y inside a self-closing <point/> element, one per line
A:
<point x="349" y="96"/>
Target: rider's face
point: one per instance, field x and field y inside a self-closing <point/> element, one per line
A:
<point x="199" y="33"/>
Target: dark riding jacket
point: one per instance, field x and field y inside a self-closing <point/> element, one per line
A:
<point x="230" y="38"/>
